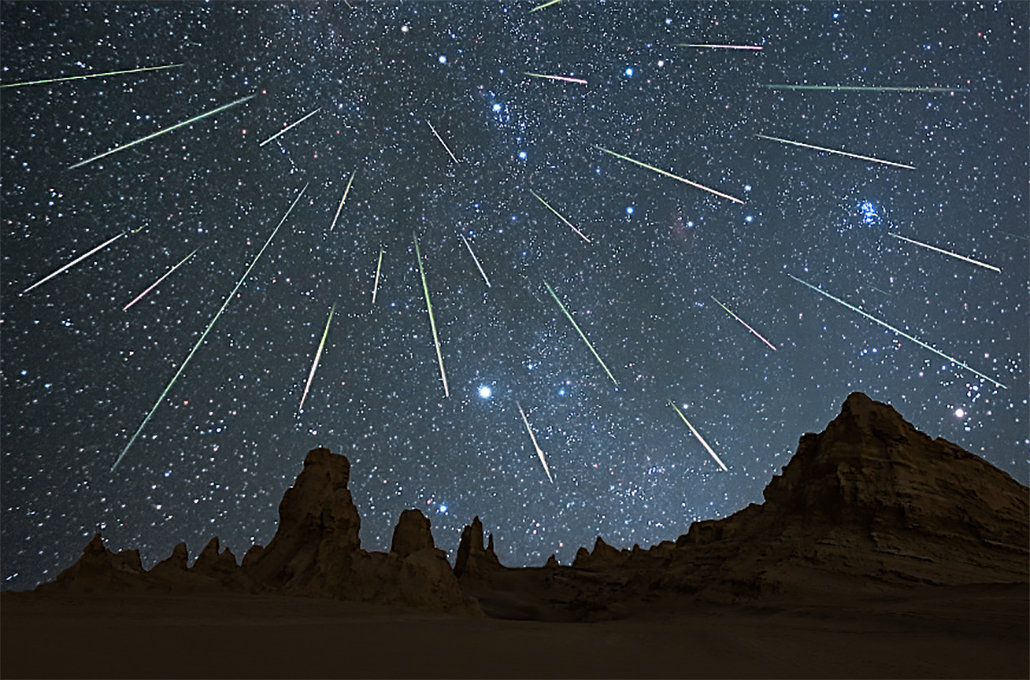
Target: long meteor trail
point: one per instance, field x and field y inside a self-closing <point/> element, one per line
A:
<point x="186" y="361"/>
<point x="379" y="267"/>
<point x="432" y="321"/>
<point x="194" y="119"/>
<point x="835" y="151"/>
<point x="26" y="83"/>
<point x="669" y="174"/>
<point x="560" y="216"/>
<point x="576" y="326"/>
<point x="318" y="357"/>
<point x="532" y="437"/>
<point x="475" y="259"/>
<point x="771" y="346"/>
<point x="163" y="277"/>
<point x="74" y="262"/>
<point x="447" y="148"/>
<point x="699" y="438"/>
<point x="345" y="192"/>
<point x="291" y="126"/>
<point x="864" y="88"/>
<point x="546" y="4"/>
<point x="899" y="332"/>
<point x="947" y="252"/>
<point x="564" y="79"/>
<point x="755" y="48"/>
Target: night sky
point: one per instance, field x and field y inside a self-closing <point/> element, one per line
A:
<point x="80" y="374"/>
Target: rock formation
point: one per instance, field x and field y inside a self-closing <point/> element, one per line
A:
<point x="411" y="534"/>
<point x="473" y="560"/>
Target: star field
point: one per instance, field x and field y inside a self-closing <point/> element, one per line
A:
<point x="80" y="374"/>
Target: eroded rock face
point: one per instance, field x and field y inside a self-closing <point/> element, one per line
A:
<point x="472" y="559"/>
<point x="100" y="570"/>
<point x="411" y="534"/>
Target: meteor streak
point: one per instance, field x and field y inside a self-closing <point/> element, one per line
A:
<point x="947" y="252"/>
<point x="26" y="83"/>
<point x="576" y="326"/>
<point x="432" y="321"/>
<point x="318" y="357"/>
<point x="345" y="192"/>
<point x="475" y="259"/>
<point x="744" y="324"/>
<point x="669" y="174"/>
<point x="546" y="4"/>
<point x="899" y="332"/>
<point x="156" y="283"/>
<point x="74" y="262"/>
<point x="443" y="142"/>
<point x="725" y="47"/>
<point x="378" y="268"/>
<point x="699" y="437"/>
<point x="291" y="126"/>
<point x="860" y="88"/>
<point x="194" y="119"/>
<point x="186" y="361"/>
<point x="560" y="217"/>
<point x="839" y="153"/>
<point x="539" y="451"/>
<point x="566" y="79"/>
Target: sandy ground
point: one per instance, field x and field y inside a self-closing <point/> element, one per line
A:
<point x="972" y="632"/>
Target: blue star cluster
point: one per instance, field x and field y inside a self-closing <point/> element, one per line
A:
<point x="431" y="108"/>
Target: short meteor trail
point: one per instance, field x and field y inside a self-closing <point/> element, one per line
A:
<point x="186" y="361"/>
<point x="565" y="79"/>
<point x="560" y="216"/>
<point x="379" y="267"/>
<point x="947" y="252"/>
<point x="318" y="357"/>
<point x="539" y="451"/>
<point x="156" y="283"/>
<point x="839" y="153"/>
<point x="771" y="346"/>
<point x="194" y="119"/>
<point x="699" y="437"/>
<point x="432" y="321"/>
<point x="74" y="262"/>
<point x="576" y="326"/>
<point x="447" y="148"/>
<point x="475" y="259"/>
<point x="546" y="4"/>
<point x="899" y="332"/>
<point x="669" y="174"/>
<point x="724" y="47"/>
<point x="345" y="192"/>
<point x="26" y="83"/>
<point x="290" y="126"/>
<point x="864" y="88"/>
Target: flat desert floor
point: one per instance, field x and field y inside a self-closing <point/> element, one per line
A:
<point x="966" y="632"/>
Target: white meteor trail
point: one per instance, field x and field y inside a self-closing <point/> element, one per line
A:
<point x="290" y="126"/>
<point x="74" y="262"/>
<point x="475" y="259"/>
<point x="318" y="357"/>
<point x="669" y="174"/>
<point x="156" y="283"/>
<point x="560" y="216"/>
<point x="432" y="320"/>
<point x="379" y="267"/>
<point x="210" y="325"/>
<point x="345" y="192"/>
<point x="539" y="451"/>
<point x="447" y="148"/>
<point x="699" y="437"/>
<point x="564" y="79"/>
<point x="947" y="252"/>
<point x="839" y="153"/>
<point x="575" y="325"/>
<point x="899" y="332"/>
<point x="725" y="47"/>
<point x="771" y="346"/>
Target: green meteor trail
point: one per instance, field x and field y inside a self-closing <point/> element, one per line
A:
<point x="186" y="361"/>
<point x="860" y="88"/>
<point x="899" y="332"/>
<point x="699" y="437"/>
<point x="560" y="216"/>
<point x="546" y="4"/>
<point x="379" y="266"/>
<point x="669" y="174"/>
<point x="432" y="321"/>
<point x="743" y="323"/>
<point x="194" y="119"/>
<point x="576" y="326"/>
<point x="345" y="192"/>
<point x="318" y="356"/>
<point x="155" y="284"/>
<point x="26" y="83"/>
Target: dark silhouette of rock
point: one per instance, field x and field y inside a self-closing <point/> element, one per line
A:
<point x="602" y="556"/>
<point x="172" y="568"/>
<point x="472" y="559"/>
<point x="411" y="534"/>
<point x="552" y="562"/>
<point x="100" y="570"/>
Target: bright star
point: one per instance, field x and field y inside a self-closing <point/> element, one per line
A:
<point x="522" y="155"/>
<point x="959" y="413"/>
<point x="485" y="392"/>
<point x="629" y="71"/>
<point x="442" y="59"/>
<point x="629" y="210"/>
